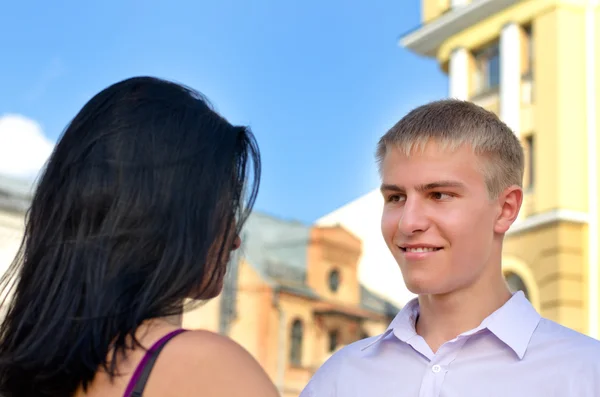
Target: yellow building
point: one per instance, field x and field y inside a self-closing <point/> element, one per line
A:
<point x="533" y="62"/>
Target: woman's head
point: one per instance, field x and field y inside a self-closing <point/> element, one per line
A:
<point x="137" y="209"/>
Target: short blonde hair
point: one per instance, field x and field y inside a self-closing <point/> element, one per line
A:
<point x="454" y="123"/>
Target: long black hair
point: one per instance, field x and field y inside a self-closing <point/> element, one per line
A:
<point x="135" y="212"/>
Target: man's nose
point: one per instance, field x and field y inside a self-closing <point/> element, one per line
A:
<point x="414" y="219"/>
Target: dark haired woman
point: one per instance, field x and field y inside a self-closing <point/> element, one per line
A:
<point x="136" y="213"/>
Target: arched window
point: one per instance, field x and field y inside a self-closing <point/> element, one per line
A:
<point x="296" y="342"/>
<point x="516" y="283"/>
<point x="519" y="276"/>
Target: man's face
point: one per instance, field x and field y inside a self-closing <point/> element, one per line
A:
<point x="438" y="220"/>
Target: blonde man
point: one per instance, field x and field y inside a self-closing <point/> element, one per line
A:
<point x="451" y="181"/>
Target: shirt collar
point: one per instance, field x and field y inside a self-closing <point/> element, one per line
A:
<point x="513" y="323"/>
<point x="403" y="325"/>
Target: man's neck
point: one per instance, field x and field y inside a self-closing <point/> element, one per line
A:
<point x="443" y="318"/>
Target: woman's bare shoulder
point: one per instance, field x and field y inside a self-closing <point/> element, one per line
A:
<point x="203" y="363"/>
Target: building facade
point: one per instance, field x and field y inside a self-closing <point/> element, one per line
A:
<point x="533" y="62"/>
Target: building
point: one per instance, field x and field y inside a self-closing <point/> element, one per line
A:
<point x="291" y="297"/>
<point x="534" y="62"/>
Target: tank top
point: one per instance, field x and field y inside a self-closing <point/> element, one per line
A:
<point x="137" y="383"/>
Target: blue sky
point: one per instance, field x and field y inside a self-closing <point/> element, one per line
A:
<point x="317" y="81"/>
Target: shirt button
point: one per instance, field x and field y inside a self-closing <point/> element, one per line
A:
<point x="436" y="368"/>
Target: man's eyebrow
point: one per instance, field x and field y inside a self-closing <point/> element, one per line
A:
<point x="440" y="184"/>
<point x="390" y="188"/>
<point x="423" y="188"/>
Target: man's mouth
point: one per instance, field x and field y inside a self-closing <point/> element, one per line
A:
<point x="420" y="249"/>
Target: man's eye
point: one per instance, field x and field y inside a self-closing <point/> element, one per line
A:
<point x="441" y="196"/>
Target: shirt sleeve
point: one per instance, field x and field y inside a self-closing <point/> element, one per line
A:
<point x="307" y="391"/>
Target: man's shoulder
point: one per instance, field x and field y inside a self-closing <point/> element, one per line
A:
<point x="567" y="341"/>
<point x="352" y="351"/>
<point x="571" y="354"/>
<point x="325" y="378"/>
<point x="357" y="347"/>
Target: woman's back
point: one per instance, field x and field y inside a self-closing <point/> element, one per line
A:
<point x="134" y="217"/>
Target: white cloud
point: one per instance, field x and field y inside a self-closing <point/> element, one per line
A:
<point x="23" y="146"/>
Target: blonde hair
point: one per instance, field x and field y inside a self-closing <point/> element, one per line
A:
<point x="453" y="124"/>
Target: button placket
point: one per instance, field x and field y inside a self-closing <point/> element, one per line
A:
<point x="439" y="366"/>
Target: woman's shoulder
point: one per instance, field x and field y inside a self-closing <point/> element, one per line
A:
<point x="206" y="363"/>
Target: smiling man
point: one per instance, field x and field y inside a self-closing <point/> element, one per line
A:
<point x="451" y="182"/>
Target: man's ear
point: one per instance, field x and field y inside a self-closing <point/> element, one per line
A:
<point x="510" y="201"/>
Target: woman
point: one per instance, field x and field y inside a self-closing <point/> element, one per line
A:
<point x="136" y="212"/>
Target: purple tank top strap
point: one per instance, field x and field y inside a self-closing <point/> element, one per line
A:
<point x="143" y="369"/>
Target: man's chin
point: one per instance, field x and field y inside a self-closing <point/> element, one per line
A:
<point x="423" y="287"/>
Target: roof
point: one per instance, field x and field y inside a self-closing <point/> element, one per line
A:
<point x="428" y="38"/>
<point x="375" y="303"/>
<point x="278" y="250"/>
<point x="15" y="194"/>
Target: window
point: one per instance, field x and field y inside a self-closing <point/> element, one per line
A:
<point x="529" y="149"/>
<point x="334" y="280"/>
<point x="296" y="342"/>
<point x="516" y="283"/>
<point x="487" y="69"/>
<point x="333" y="340"/>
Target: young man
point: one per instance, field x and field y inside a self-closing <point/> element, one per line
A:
<point x="451" y="181"/>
